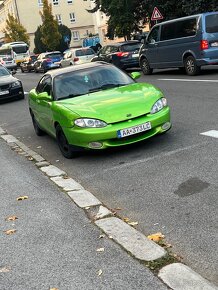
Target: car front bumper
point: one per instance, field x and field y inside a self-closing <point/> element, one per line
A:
<point x="107" y="136"/>
<point x="14" y="93"/>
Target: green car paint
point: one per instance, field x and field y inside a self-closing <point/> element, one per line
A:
<point x="120" y="107"/>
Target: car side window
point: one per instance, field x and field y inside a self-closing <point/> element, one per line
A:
<point x="114" y="49"/>
<point x="103" y="50"/>
<point x="154" y="35"/>
<point x="44" y="85"/>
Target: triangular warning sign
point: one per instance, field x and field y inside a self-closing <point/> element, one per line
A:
<point x="156" y="15"/>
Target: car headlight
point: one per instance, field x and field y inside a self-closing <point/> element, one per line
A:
<point x="16" y="84"/>
<point x="159" y="105"/>
<point x="90" y="123"/>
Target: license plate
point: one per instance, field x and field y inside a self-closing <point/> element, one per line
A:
<point x="214" y="44"/>
<point x="134" y="130"/>
<point x="135" y="55"/>
<point x="4" y="92"/>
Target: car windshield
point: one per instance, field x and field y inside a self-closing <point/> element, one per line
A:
<point x="54" y="55"/>
<point x="89" y="80"/>
<point x="131" y="47"/>
<point x="212" y="23"/>
<point x="3" y="71"/>
<point x="20" y="49"/>
<point x="83" y="52"/>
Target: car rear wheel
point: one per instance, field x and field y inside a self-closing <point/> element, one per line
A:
<point x="63" y="144"/>
<point x="38" y="130"/>
<point x="191" y="66"/>
<point x="146" y="69"/>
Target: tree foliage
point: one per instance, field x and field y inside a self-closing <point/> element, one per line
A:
<point x="39" y="45"/>
<point x="15" y="31"/>
<point x="49" y="29"/>
<point x="64" y="32"/>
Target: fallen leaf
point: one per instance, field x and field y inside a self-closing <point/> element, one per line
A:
<point x="10" y="232"/>
<point x="101" y="236"/>
<point x="100" y="272"/>
<point x="57" y="160"/>
<point x="110" y="237"/>
<point x="5" y="269"/>
<point x="156" y="237"/>
<point x="22" y="197"/>
<point x="118" y="208"/>
<point x="53" y="288"/>
<point x="66" y="177"/>
<point x="87" y="207"/>
<point x="100" y="250"/>
<point x="126" y="219"/>
<point x="11" y="218"/>
<point x="39" y="147"/>
<point x="30" y="158"/>
<point x="133" y="223"/>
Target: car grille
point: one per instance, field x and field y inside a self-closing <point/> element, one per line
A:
<point x="4" y="87"/>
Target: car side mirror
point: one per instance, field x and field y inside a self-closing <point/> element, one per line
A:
<point x="44" y="96"/>
<point x="135" y="75"/>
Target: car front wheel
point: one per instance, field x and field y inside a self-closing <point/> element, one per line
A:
<point x="63" y="144"/>
<point x="146" y="69"/>
<point x="191" y="66"/>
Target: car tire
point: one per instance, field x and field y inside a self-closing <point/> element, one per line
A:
<point x="35" y="70"/>
<point x="38" y="130"/>
<point x="145" y="67"/>
<point x="22" y="70"/>
<point x="191" y="67"/>
<point x="63" y="144"/>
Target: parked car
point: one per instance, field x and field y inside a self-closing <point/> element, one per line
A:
<point x="96" y="106"/>
<point x="122" y="54"/>
<point x="77" y="56"/>
<point x="10" y="87"/>
<point x="8" y="62"/>
<point x="47" y="61"/>
<point x="187" y="43"/>
<point x="28" y="64"/>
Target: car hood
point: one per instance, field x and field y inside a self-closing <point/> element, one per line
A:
<point x="117" y="104"/>
<point x="5" y="80"/>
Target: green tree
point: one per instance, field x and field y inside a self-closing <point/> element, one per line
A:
<point x="125" y="16"/>
<point x="15" y="31"/>
<point x="39" y="45"/>
<point x="49" y="29"/>
<point x="65" y="32"/>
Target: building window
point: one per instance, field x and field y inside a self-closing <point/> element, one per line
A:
<point x="58" y="18"/>
<point x="72" y="17"/>
<point x="55" y="2"/>
<point x="75" y="35"/>
<point x="40" y="3"/>
<point x="70" y="1"/>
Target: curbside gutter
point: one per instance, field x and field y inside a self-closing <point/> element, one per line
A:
<point x="177" y="276"/>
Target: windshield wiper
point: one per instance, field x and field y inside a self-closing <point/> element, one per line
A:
<point x="105" y="87"/>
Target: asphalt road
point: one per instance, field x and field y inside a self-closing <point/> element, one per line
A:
<point x="168" y="184"/>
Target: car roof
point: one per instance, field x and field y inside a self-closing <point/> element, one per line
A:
<point x="56" y="72"/>
<point x="124" y="43"/>
<point x="49" y="52"/>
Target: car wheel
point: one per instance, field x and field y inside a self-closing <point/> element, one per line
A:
<point x="35" y="70"/>
<point x="22" y="70"/>
<point x="63" y="144"/>
<point x="191" y="66"/>
<point x="146" y="69"/>
<point x="38" y="130"/>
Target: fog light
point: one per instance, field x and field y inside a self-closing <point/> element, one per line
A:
<point x="166" y="126"/>
<point x="95" y="145"/>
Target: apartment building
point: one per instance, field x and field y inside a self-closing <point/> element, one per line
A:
<point x="72" y="13"/>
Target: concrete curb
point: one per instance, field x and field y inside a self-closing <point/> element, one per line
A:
<point x="177" y="275"/>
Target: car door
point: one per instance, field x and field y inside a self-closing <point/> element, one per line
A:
<point x="44" y="114"/>
<point x="150" y="49"/>
<point x="37" y="64"/>
<point x="102" y="53"/>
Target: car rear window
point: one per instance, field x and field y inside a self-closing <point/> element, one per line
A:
<point x="54" y="55"/>
<point x="82" y="52"/>
<point x="130" y="47"/>
<point x="212" y="23"/>
<point x="7" y="58"/>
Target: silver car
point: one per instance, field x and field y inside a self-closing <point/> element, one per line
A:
<point x="8" y="62"/>
<point x="77" y="56"/>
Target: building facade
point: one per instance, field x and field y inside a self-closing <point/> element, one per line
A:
<point x="72" y="13"/>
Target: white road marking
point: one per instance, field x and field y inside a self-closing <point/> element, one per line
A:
<point x="211" y="133"/>
<point x="189" y="80"/>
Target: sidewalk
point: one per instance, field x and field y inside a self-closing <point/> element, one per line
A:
<point x="55" y="244"/>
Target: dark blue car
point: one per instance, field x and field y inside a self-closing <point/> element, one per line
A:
<point x="47" y="61"/>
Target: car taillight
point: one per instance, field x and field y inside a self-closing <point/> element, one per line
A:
<point x="75" y="59"/>
<point x="204" y="44"/>
<point x="121" y="54"/>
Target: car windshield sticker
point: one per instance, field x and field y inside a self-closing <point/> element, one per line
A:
<point x="86" y="79"/>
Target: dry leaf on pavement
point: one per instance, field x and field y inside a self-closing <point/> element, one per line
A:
<point x="100" y="250"/>
<point x="22" y="197"/>
<point x="30" y="158"/>
<point x="126" y="219"/>
<point x="100" y="272"/>
<point x="10" y="232"/>
<point x="5" y="269"/>
<point x="133" y="223"/>
<point x="53" y="288"/>
<point x="156" y="237"/>
<point x="118" y="208"/>
<point x="101" y="236"/>
<point x="11" y="218"/>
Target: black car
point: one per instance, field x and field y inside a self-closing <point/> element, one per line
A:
<point x="47" y="61"/>
<point x="10" y="87"/>
<point x="28" y="64"/>
<point x="122" y="54"/>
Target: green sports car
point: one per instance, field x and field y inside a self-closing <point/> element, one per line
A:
<point x="96" y="106"/>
